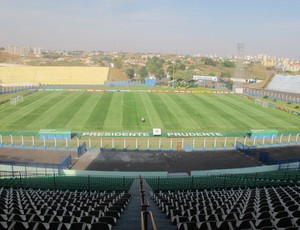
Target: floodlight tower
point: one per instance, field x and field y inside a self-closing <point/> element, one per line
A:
<point x="239" y="70"/>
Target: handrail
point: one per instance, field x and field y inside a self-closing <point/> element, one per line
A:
<point x="144" y="201"/>
<point x="144" y="220"/>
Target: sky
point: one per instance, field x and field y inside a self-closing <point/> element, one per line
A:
<point x="212" y="27"/>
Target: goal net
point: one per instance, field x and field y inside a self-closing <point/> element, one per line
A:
<point x="16" y="100"/>
<point x="261" y="102"/>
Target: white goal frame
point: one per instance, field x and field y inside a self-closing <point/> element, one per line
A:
<point x="261" y="102"/>
<point x="16" y="100"/>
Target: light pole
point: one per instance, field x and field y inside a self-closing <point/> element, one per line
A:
<point x="173" y="75"/>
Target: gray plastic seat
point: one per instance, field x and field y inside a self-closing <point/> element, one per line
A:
<point x="100" y="225"/>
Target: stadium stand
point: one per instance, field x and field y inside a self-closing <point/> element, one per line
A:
<point x="258" y="208"/>
<point x="285" y="83"/>
<point x="269" y="200"/>
<point x="57" y="209"/>
<point x="54" y="75"/>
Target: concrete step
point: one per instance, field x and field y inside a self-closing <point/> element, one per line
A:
<point x="131" y="217"/>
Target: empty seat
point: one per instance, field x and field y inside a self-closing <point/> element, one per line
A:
<point x="207" y="225"/>
<point x="116" y="208"/>
<point x="113" y="213"/>
<point x="96" y="213"/>
<point x="230" y="217"/>
<point x="293" y="207"/>
<point x="187" y="226"/>
<point x="296" y="213"/>
<point x="39" y="226"/>
<point x="108" y="219"/>
<point x="17" y="217"/>
<point x="68" y="219"/>
<point x="102" y="208"/>
<point x="79" y="226"/>
<point x="197" y="218"/>
<point x="57" y="225"/>
<point x="284" y="222"/>
<point x="3" y="211"/>
<point x="245" y="224"/>
<point x="57" y="219"/>
<point x="16" y="211"/>
<point x="88" y="219"/>
<point x="264" y="223"/>
<point x="70" y="208"/>
<point x="3" y="217"/>
<point x="18" y="225"/>
<point x="279" y="208"/>
<point x="78" y="213"/>
<point x="246" y="216"/>
<point x="175" y="212"/>
<point x="226" y="225"/>
<point x="263" y="209"/>
<point x="212" y="217"/>
<point x="61" y="212"/>
<point x="179" y="219"/>
<point x="100" y="226"/>
<point x="281" y="214"/>
<point x="263" y="215"/>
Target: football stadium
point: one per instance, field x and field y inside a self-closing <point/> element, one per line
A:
<point x="79" y="151"/>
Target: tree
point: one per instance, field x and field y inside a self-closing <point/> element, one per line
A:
<point x="160" y="73"/>
<point x="181" y="66"/>
<point x="188" y="75"/>
<point x="229" y="85"/>
<point x="130" y="72"/>
<point x="155" y="66"/>
<point x="175" y="67"/>
<point x="225" y="74"/>
<point x="209" y="61"/>
<point x="171" y="70"/>
<point x="143" y="72"/>
<point x="118" y="63"/>
<point x="192" y="67"/>
<point x="228" y="64"/>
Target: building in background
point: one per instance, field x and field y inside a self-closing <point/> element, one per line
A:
<point x="23" y="51"/>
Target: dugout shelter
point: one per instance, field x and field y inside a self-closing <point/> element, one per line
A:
<point x="55" y="134"/>
<point x="263" y="133"/>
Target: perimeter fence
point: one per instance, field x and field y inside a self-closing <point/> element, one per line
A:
<point x="34" y="168"/>
<point x="187" y="144"/>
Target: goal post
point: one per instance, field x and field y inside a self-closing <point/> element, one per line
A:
<point x="16" y="100"/>
<point x="261" y="102"/>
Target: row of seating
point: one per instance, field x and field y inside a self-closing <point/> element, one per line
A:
<point x="68" y="182"/>
<point x="287" y="178"/>
<point x="16" y="225"/>
<point x="26" y="199"/>
<point x="275" y="207"/>
<point x="47" y="209"/>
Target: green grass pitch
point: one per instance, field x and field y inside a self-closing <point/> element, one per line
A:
<point x="120" y="111"/>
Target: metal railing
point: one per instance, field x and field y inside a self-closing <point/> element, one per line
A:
<point x="145" y="214"/>
<point x="147" y="144"/>
<point x="144" y="220"/>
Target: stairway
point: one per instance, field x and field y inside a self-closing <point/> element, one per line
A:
<point x="131" y="217"/>
<point x="161" y="219"/>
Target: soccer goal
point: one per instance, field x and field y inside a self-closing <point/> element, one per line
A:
<point x="261" y="102"/>
<point x="16" y="100"/>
